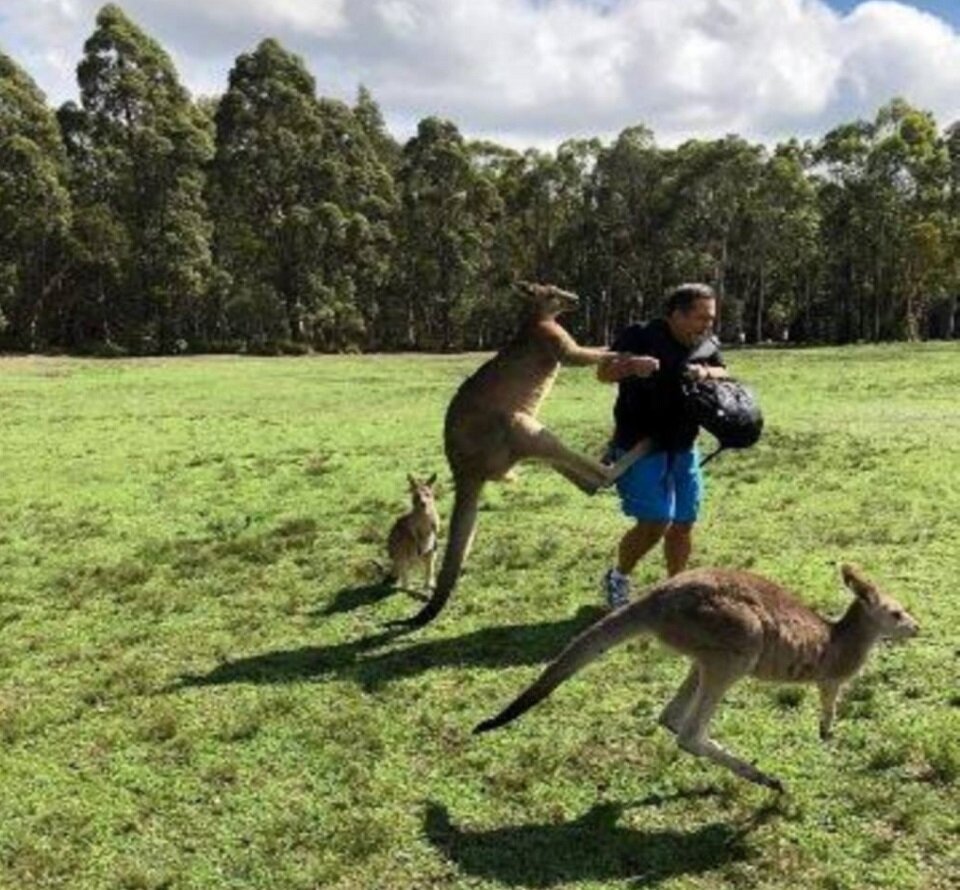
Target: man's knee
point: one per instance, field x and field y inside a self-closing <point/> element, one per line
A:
<point x="650" y="529"/>
<point x="679" y="531"/>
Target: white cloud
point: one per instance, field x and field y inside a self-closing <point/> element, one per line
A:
<point x="536" y="71"/>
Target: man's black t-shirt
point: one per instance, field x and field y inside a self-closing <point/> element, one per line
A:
<point x="652" y="407"/>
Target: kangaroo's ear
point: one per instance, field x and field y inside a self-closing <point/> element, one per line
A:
<point x="411" y="481"/>
<point x="431" y="480"/>
<point x="857" y="583"/>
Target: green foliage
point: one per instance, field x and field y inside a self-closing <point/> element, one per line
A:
<point x="35" y="210"/>
<point x="138" y="147"/>
<point x="272" y="214"/>
<point x="303" y="204"/>
<point x="195" y="689"/>
<point x="448" y="214"/>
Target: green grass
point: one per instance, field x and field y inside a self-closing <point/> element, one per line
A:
<point x="195" y="692"/>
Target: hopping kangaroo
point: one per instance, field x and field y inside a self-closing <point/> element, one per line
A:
<point x="732" y="624"/>
<point x="491" y="424"/>
<point x="413" y="537"/>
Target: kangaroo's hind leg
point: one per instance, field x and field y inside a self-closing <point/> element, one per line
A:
<point x="715" y="679"/>
<point x="674" y="714"/>
<point x="531" y="439"/>
<point x="429" y="559"/>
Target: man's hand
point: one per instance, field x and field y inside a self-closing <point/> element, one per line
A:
<point x="641" y="365"/>
<point x="625" y="364"/>
<point x="699" y="373"/>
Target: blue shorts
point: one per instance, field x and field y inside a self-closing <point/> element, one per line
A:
<point x="663" y="486"/>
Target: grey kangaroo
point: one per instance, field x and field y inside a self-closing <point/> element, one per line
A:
<point x="491" y="424"/>
<point x="733" y="624"/>
<point x="413" y="537"/>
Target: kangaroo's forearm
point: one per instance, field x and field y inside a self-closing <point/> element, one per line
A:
<point x="582" y="356"/>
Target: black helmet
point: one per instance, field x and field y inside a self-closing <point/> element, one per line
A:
<point x="726" y="409"/>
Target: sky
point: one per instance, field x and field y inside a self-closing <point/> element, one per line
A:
<point x="531" y="73"/>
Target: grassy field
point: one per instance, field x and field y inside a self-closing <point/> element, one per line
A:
<point x="195" y="691"/>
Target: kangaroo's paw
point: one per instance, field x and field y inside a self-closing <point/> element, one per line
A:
<point x="668" y="724"/>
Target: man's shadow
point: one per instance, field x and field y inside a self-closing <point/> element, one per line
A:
<point x="372" y="664"/>
<point x="590" y="848"/>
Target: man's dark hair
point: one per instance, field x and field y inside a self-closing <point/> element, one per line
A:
<point x="683" y="297"/>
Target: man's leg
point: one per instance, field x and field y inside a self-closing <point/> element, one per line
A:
<point x="688" y="485"/>
<point x="677" y="544"/>
<point x="637" y="543"/>
<point x="646" y="498"/>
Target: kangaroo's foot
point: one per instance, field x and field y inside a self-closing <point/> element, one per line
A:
<point x="706" y="747"/>
<point x="589" y="485"/>
<point x="614" y="471"/>
<point x="669" y="725"/>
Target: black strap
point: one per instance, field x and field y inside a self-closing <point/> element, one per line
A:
<point x="712" y="455"/>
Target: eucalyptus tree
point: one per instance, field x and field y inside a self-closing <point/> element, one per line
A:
<point x="574" y="255"/>
<point x="781" y="249"/>
<point x="138" y="147"/>
<point x="710" y="187"/>
<point x="911" y="153"/>
<point x="626" y="243"/>
<point x="887" y="228"/>
<point x="34" y="212"/>
<point x="449" y="212"/>
<point x="303" y="207"/>
<point x="944" y="312"/>
<point x="370" y="118"/>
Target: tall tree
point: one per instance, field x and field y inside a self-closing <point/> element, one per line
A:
<point x="886" y="203"/>
<point x="780" y="253"/>
<point x="34" y="212"/>
<point x="139" y="147"/>
<point x="448" y="216"/>
<point x="370" y="117"/>
<point x="303" y="206"/>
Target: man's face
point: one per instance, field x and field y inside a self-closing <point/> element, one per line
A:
<point x="692" y="326"/>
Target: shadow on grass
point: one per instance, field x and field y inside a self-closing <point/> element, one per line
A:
<point x="351" y="598"/>
<point x="590" y="848"/>
<point x="515" y="644"/>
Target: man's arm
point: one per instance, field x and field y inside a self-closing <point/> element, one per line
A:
<point x="709" y="366"/>
<point x="707" y="372"/>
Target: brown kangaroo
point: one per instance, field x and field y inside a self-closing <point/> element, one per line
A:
<point x="413" y="537"/>
<point x="491" y="424"/>
<point x="732" y="624"/>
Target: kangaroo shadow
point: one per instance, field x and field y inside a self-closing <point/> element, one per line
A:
<point x="351" y="598"/>
<point x="590" y="848"/>
<point x="372" y="665"/>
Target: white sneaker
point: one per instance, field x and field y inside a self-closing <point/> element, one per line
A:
<point x="616" y="588"/>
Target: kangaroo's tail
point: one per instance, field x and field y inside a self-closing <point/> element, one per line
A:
<point x="463" y="523"/>
<point x="592" y="643"/>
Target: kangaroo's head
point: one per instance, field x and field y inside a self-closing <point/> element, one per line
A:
<point x="892" y="620"/>
<point x="547" y="300"/>
<point x="421" y="493"/>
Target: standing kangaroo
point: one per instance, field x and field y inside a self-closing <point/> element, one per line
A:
<point x="413" y="537"/>
<point x="491" y="424"/>
<point x="732" y="624"/>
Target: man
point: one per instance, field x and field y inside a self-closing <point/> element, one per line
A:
<point x="662" y="490"/>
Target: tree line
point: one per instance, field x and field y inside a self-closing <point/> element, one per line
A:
<point x="272" y="219"/>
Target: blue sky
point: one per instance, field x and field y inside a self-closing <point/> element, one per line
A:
<point x="948" y="10"/>
<point x="535" y="72"/>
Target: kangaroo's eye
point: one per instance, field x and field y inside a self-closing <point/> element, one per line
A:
<point x="897" y="615"/>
